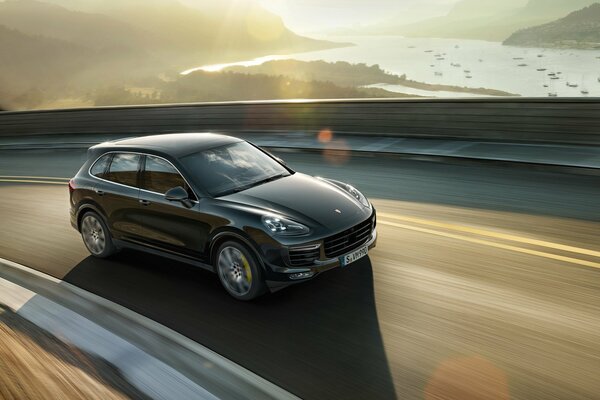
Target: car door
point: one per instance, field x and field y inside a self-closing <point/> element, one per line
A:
<point x="117" y="192"/>
<point x="170" y="225"/>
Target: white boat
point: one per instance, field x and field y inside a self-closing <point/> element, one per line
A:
<point x="584" y="90"/>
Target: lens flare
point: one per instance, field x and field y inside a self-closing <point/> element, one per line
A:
<point x="325" y="135"/>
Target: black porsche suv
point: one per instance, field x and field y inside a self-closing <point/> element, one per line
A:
<point x="220" y="203"/>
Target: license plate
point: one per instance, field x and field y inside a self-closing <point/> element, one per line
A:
<point x="355" y="255"/>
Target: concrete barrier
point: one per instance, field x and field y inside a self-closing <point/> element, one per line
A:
<point x="532" y="120"/>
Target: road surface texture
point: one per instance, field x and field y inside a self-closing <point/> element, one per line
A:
<point x="485" y="283"/>
<point x="35" y="365"/>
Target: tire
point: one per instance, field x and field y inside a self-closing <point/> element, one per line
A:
<point x="239" y="271"/>
<point x="96" y="236"/>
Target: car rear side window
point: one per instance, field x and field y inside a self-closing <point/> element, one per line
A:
<point x="100" y="166"/>
<point x="159" y="176"/>
<point x="124" y="169"/>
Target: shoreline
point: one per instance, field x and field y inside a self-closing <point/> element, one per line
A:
<point x="434" y="87"/>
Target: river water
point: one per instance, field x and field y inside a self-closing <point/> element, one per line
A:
<point x="471" y="63"/>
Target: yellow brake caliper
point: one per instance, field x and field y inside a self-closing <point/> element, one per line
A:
<point x="247" y="268"/>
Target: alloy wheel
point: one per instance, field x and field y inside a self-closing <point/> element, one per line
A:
<point x="234" y="270"/>
<point x="93" y="234"/>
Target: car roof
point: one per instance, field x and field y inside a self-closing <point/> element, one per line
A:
<point x="173" y="144"/>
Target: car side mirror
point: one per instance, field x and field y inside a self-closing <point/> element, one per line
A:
<point x="178" y="194"/>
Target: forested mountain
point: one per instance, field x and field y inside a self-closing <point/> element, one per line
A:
<point x="91" y="30"/>
<point x="490" y="19"/>
<point x="218" y="30"/>
<point x="580" y="29"/>
<point x="57" y="49"/>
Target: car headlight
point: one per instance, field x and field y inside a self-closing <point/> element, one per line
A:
<point x="358" y="195"/>
<point x="282" y="226"/>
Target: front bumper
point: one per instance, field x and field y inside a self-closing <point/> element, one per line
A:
<point x="279" y="277"/>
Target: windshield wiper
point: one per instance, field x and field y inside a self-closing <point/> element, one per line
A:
<point x="253" y="184"/>
<point x="272" y="178"/>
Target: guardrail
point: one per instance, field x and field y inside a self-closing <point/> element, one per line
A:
<point x="563" y="120"/>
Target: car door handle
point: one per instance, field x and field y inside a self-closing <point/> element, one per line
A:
<point x="99" y="192"/>
<point x="145" y="202"/>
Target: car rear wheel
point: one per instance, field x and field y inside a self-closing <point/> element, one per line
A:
<point x="96" y="236"/>
<point x="239" y="272"/>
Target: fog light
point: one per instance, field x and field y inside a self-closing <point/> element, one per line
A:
<point x="301" y="275"/>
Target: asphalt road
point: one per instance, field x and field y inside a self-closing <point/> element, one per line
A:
<point x="485" y="283"/>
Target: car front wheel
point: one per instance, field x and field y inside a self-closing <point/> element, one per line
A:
<point x="239" y="272"/>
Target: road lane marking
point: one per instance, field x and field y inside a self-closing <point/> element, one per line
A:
<point x="32" y="181"/>
<point x="439" y="224"/>
<point x="497" y="235"/>
<point x="52" y="178"/>
<point x="494" y="244"/>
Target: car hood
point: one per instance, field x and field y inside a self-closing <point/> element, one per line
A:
<point x="314" y="202"/>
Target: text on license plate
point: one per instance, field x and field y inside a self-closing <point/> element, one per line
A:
<point x="355" y="255"/>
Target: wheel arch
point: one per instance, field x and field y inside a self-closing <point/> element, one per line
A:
<point x="90" y="206"/>
<point x="234" y="235"/>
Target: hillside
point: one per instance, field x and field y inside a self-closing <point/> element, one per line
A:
<point x="227" y="86"/>
<point x="164" y="29"/>
<point x="91" y="30"/>
<point x="491" y="20"/>
<point x="209" y="31"/>
<point x="53" y="55"/>
<point x="580" y="29"/>
<point x="553" y="9"/>
<point x="25" y="81"/>
<point x="340" y="73"/>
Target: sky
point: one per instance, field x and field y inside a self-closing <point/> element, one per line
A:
<point x="322" y="15"/>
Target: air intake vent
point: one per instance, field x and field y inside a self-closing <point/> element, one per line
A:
<point x="304" y="255"/>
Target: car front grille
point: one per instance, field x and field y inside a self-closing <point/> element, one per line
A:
<point x="350" y="239"/>
<point x="304" y="255"/>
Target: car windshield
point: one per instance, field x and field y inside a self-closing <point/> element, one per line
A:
<point x="232" y="168"/>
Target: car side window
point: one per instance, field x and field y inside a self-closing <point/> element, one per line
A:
<point x="159" y="176"/>
<point x="124" y="169"/>
<point x="99" y="169"/>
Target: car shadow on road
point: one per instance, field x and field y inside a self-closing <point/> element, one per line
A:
<point x="320" y="339"/>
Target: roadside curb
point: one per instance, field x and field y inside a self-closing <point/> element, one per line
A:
<point x="157" y="360"/>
